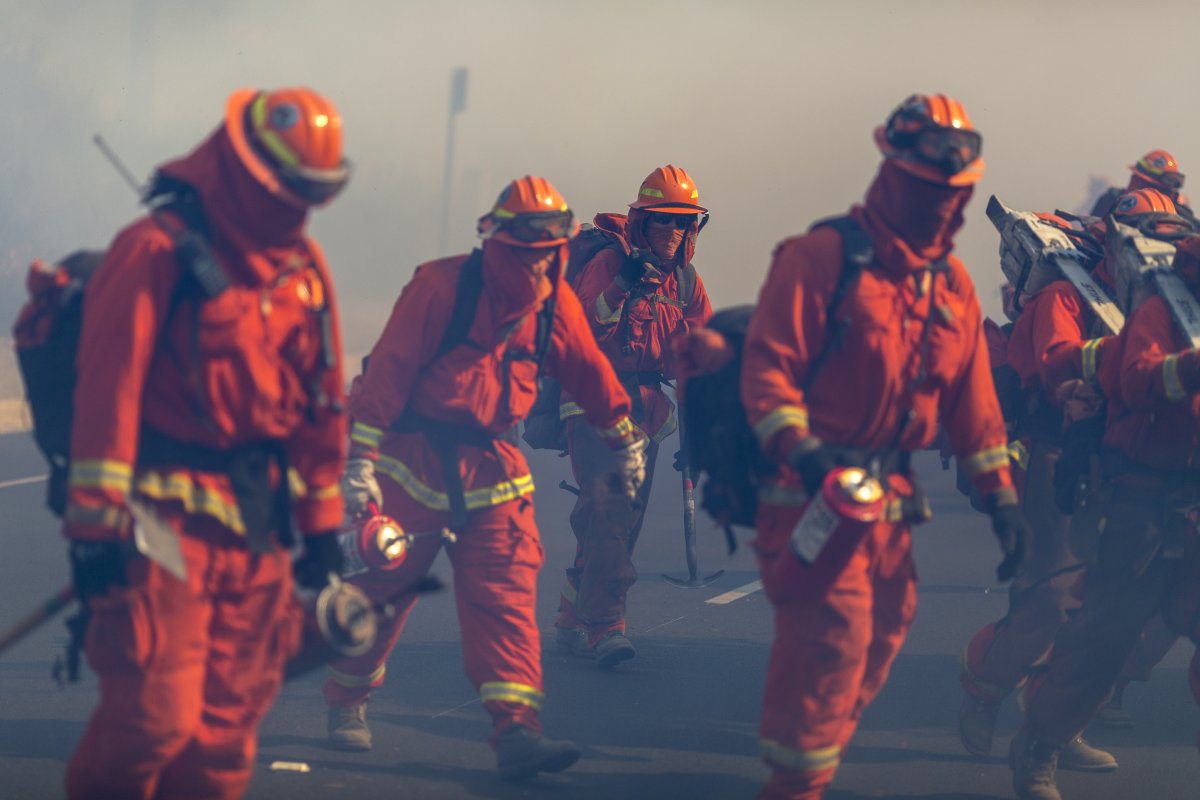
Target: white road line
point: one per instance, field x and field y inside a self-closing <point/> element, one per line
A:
<point x="736" y="594"/>
<point x="22" y="481"/>
<point x="663" y="624"/>
<point x="456" y="708"/>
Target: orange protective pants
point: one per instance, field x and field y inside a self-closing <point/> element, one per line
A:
<point x="606" y="526"/>
<point x="1149" y="564"/>
<point x="187" y="670"/>
<point x="839" y="624"/>
<point x="496" y="561"/>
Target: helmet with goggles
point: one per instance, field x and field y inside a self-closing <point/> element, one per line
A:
<point x="290" y="141"/>
<point x="1161" y="169"/>
<point x="529" y="213"/>
<point x="1153" y="213"/>
<point x="932" y="137"/>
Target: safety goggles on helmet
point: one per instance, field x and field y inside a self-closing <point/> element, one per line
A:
<point x="677" y="220"/>
<point x="948" y="149"/>
<point x="312" y="185"/>
<point x="1171" y="180"/>
<point x="539" y="227"/>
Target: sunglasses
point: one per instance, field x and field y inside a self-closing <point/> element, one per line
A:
<point x="678" y="220"/>
<point x="1171" y="180"/>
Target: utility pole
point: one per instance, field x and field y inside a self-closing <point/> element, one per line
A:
<point x="458" y="103"/>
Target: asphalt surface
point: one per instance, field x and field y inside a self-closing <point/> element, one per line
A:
<point x="679" y="721"/>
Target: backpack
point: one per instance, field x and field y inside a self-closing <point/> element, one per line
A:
<point x="544" y="430"/>
<point x="721" y="445"/>
<point x="46" y="334"/>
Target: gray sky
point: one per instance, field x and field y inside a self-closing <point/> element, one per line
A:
<point x="770" y="106"/>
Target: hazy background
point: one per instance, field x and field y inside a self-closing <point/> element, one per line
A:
<point x="769" y="105"/>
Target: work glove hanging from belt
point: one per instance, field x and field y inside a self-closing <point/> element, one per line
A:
<point x="322" y="556"/>
<point x="360" y="488"/>
<point x="631" y="467"/>
<point x="812" y="460"/>
<point x="96" y="566"/>
<point x="639" y="265"/>
<point x="1013" y="532"/>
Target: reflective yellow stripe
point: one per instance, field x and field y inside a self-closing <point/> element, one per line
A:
<point x="606" y="315"/>
<point x="268" y="137"/>
<point x="195" y="499"/>
<point x="327" y="492"/>
<point x="101" y="473"/>
<point x="621" y="430"/>
<point x="296" y="484"/>
<point x="503" y="213"/>
<point x="989" y="460"/>
<point x="1018" y="454"/>
<point x="816" y="760"/>
<point x="1091" y="355"/>
<point x="1171" y="382"/>
<point x="484" y="497"/>
<point x="652" y="192"/>
<point x="780" y="418"/>
<point x="366" y="435"/>
<point x="504" y="692"/>
<point x="355" y="681"/>
<point x="568" y="410"/>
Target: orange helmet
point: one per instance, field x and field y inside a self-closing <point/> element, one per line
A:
<point x="290" y="140"/>
<point x="1153" y="213"/>
<point x="932" y="137"/>
<point x="529" y="213"/>
<point x="669" y="190"/>
<point x="1160" y="168"/>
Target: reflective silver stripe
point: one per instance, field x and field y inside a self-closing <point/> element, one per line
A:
<point x="1171" y="382"/>
<point x="777" y="420"/>
<point x="506" y="692"/>
<point x="568" y="410"/>
<point x="989" y="460"/>
<point x="606" y="315"/>
<point x="815" y="760"/>
<point x="621" y="430"/>
<point x="101" y="473"/>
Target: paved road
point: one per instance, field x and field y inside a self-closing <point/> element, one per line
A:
<point x="677" y="722"/>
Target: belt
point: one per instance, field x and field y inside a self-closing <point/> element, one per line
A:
<point x="248" y="467"/>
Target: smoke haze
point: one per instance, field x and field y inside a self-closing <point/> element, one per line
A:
<point x="769" y="105"/>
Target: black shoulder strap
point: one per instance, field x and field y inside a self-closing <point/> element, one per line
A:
<point x="857" y="253"/>
<point x="686" y="276"/>
<point x="545" y="329"/>
<point x="466" y="299"/>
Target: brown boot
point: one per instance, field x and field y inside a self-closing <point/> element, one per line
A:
<point x="521" y="754"/>
<point x="1033" y="764"/>
<point x="347" y="728"/>
<point x="1079" y="756"/>
<point x="612" y="649"/>
<point x="573" y="641"/>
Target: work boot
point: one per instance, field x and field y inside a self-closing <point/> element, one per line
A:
<point x="347" y="727"/>
<point x="521" y="754"/>
<point x="573" y="641"/>
<point x="977" y="723"/>
<point x="612" y="649"/>
<point x="1033" y="764"/>
<point x="1113" y="714"/>
<point x="1079" y="756"/>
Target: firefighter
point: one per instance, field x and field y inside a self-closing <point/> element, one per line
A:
<point x="1057" y="348"/>
<point x="638" y="296"/>
<point x="432" y="443"/>
<point x="867" y="334"/>
<point x="200" y="409"/>
<point x="1149" y="555"/>
<point x="1157" y="170"/>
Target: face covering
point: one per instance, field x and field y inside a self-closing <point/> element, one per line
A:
<point x="664" y="242"/>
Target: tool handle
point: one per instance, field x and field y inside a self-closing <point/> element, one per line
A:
<point x="35" y="618"/>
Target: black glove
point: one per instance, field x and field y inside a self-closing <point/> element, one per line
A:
<point x="1012" y="530"/>
<point x="632" y="271"/>
<point x="813" y="461"/>
<point x="680" y="462"/>
<point x="95" y="566"/>
<point x="322" y="555"/>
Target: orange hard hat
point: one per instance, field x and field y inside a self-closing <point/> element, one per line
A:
<point x="290" y="140"/>
<point x="1161" y="168"/>
<point x="669" y="190"/>
<point x="932" y="137"/>
<point x="529" y="213"/>
<point x="1143" y="201"/>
